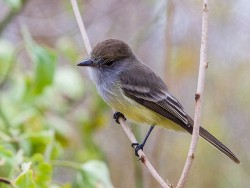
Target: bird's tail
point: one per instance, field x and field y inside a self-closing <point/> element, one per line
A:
<point x="216" y="143"/>
<point x="212" y="140"/>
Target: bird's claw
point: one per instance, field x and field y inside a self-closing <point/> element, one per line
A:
<point x="137" y="147"/>
<point x="117" y="115"/>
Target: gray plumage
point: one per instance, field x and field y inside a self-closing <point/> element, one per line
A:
<point x="133" y="89"/>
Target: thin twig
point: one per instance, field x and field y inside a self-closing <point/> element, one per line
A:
<point x="5" y="181"/>
<point x="126" y="129"/>
<point x="198" y="96"/>
<point x="79" y="20"/>
<point x="143" y="157"/>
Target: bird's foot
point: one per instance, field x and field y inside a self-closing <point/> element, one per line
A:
<point x="117" y="115"/>
<point x="137" y="147"/>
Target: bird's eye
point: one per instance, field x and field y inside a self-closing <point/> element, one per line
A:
<point x="109" y="63"/>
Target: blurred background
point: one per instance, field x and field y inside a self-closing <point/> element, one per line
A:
<point x="55" y="130"/>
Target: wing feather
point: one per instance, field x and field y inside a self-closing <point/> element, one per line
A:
<point x="152" y="93"/>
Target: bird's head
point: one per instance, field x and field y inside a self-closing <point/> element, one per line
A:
<point x="107" y="53"/>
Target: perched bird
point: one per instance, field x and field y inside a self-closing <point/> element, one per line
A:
<point x="137" y="93"/>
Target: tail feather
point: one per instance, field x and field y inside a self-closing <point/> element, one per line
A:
<point x="216" y="143"/>
<point x="212" y="140"/>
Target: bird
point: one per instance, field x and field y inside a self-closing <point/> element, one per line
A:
<point x="135" y="92"/>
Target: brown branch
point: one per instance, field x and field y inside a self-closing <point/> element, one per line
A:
<point x="81" y="26"/>
<point x="5" y="181"/>
<point x="126" y="129"/>
<point x="198" y="96"/>
<point x="143" y="157"/>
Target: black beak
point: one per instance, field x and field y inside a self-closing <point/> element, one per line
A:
<point x="86" y="63"/>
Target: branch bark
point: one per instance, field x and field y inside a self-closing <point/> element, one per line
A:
<point x="5" y="181"/>
<point x="143" y="157"/>
<point x="198" y="96"/>
<point x="126" y="129"/>
<point x="81" y="26"/>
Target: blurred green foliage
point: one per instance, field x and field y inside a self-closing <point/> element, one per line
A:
<point x="15" y="4"/>
<point x="52" y="121"/>
<point x="38" y="97"/>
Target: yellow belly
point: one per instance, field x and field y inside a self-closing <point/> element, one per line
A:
<point x="140" y="114"/>
<point x="132" y="110"/>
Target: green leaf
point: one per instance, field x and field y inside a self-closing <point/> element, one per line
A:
<point x="37" y="177"/>
<point x="25" y="179"/>
<point x="45" y="67"/>
<point x="35" y="142"/>
<point x="8" y="159"/>
<point x="5" y="153"/>
<point x="45" y="61"/>
<point x="93" y="174"/>
<point x="43" y="171"/>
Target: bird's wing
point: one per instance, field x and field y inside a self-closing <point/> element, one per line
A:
<point x="147" y="89"/>
<point x="152" y="93"/>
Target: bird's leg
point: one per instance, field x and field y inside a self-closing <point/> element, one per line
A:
<point x="117" y="115"/>
<point x="137" y="146"/>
